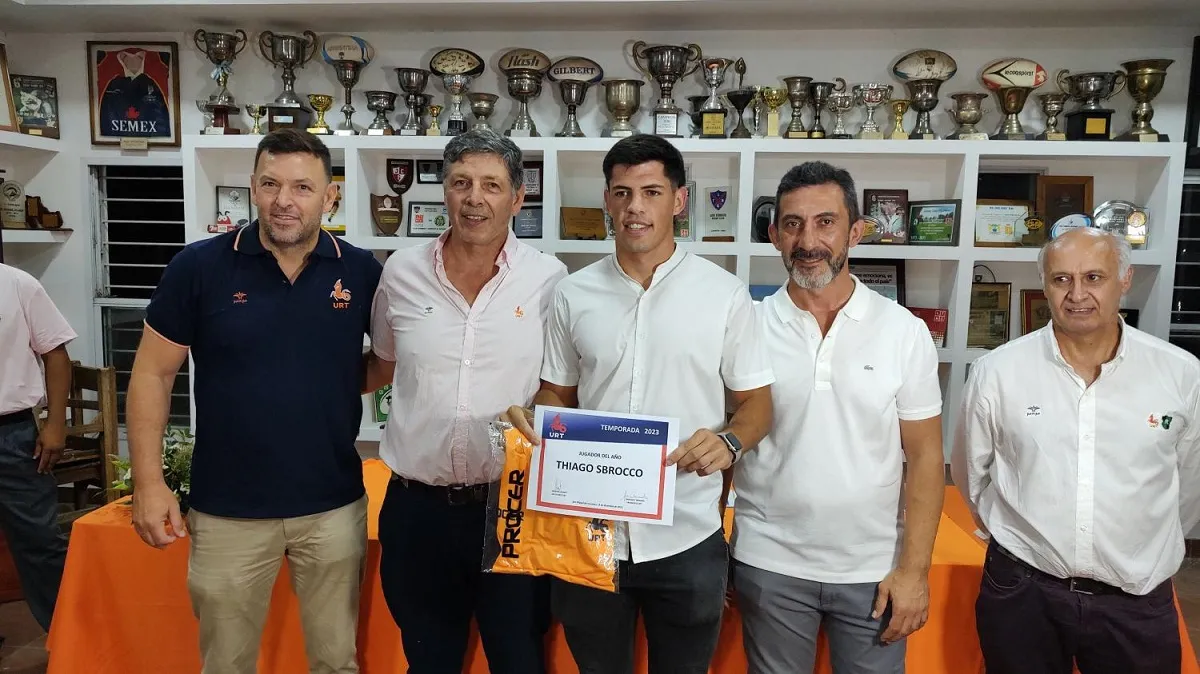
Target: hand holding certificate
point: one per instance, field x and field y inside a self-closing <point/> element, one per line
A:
<point x="602" y="464"/>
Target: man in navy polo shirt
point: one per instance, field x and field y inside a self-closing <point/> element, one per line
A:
<point x="273" y="315"/>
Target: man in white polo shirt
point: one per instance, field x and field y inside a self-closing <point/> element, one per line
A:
<point x="34" y="335"/>
<point x="821" y="533"/>
<point x="1078" y="450"/>
<point x="457" y="328"/>
<point x="654" y="330"/>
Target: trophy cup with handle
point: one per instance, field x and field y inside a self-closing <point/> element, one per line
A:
<point x="457" y="68"/>
<point x="287" y="52"/>
<point x="574" y="75"/>
<point x="666" y="64"/>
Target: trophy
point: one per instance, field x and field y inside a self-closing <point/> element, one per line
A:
<point x="216" y="118"/>
<point x="666" y="64"/>
<point x="967" y="112"/>
<point x="923" y="72"/>
<point x="1145" y="79"/>
<point x="321" y="104"/>
<point x="899" y="107"/>
<point x="871" y="96"/>
<point x="1090" y="121"/>
<point x="523" y="68"/>
<point x="434" y="129"/>
<point x="773" y="98"/>
<point x="712" y="111"/>
<point x="221" y="49"/>
<point x="574" y="75"/>
<point x="457" y="68"/>
<point x="818" y="96"/>
<point x="482" y="106"/>
<point x="696" y="102"/>
<point x="380" y="103"/>
<point x="348" y="55"/>
<point x="1124" y="219"/>
<point x="256" y="112"/>
<point x="1012" y="80"/>
<point x="740" y="98"/>
<point x="1052" y="105"/>
<point x="623" y="98"/>
<point x="840" y="102"/>
<point x="797" y="88"/>
<point x="420" y="107"/>
<point x="287" y="52"/>
<point x="386" y="209"/>
<point x="412" y="83"/>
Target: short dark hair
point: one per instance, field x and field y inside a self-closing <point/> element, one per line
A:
<point x="642" y="148"/>
<point x="813" y="173"/>
<point x="486" y="141"/>
<point x="295" y="141"/>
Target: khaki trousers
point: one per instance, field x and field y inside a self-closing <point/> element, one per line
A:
<point x="231" y="573"/>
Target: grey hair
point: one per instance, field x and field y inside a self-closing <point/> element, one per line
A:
<point x="486" y="141"/>
<point x="1119" y="243"/>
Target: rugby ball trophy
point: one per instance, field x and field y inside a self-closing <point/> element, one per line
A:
<point x="923" y="72"/>
<point x="1012" y="80"/>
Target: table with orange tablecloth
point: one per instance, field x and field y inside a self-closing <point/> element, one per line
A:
<point x="124" y="608"/>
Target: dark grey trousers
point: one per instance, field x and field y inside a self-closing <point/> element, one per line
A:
<point x="28" y="514"/>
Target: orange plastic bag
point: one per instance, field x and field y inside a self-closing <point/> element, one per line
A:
<point x="578" y="550"/>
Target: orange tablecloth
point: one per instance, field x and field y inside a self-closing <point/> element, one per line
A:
<point x="124" y="608"/>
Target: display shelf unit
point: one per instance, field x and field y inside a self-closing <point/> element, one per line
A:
<point x="35" y="236"/>
<point x="935" y="276"/>
<point x="13" y="141"/>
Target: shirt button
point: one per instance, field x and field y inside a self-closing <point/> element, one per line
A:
<point x="1083" y="528"/>
<point x="467" y="361"/>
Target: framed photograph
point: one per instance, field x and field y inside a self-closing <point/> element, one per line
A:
<point x="533" y="181"/>
<point x="934" y="222"/>
<point x="37" y="104"/>
<point x="427" y="218"/>
<point x="233" y="209"/>
<point x="1192" y="124"/>
<point x="1035" y="310"/>
<point x="886" y="214"/>
<point x="133" y="93"/>
<point x="334" y="221"/>
<point x="527" y="224"/>
<point x="1001" y="222"/>
<point x="429" y="172"/>
<point x="987" y="326"/>
<point x="8" y="108"/>
<point x="885" y="277"/>
<point x="685" y="222"/>
<point x="1058" y="196"/>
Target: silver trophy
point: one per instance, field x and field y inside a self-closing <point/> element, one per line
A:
<point x="1012" y="80"/>
<point x="482" y="106"/>
<point x="923" y="71"/>
<point x="818" y="97"/>
<point x="221" y="49"/>
<point x="968" y="111"/>
<point x="871" y="96"/>
<point x="797" y="88"/>
<point x="1145" y="78"/>
<point x="666" y="64"/>
<point x="524" y="70"/>
<point x="623" y="98"/>
<point x="695" y="102"/>
<point x="457" y="68"/>
<point x="348" y="55"/>
<point x="1052" y="106"/>
<point x="739" y="99"/>
<point x="412" y="83"/>
<point x="575" y="75"/>
<point x="380" y="103"/>
<point x="840" y="102"/>
<point x="713" y="111"/>
<point x="288" y="52"/>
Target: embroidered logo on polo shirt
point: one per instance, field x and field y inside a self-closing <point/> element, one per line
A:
<point x="1152" y="421"/>
<point x="518" y="313"/>
<point x="1033" y="411"/>
<point x="427" y="310"/>
<point x="239" y="297"/>
<point x="869" y="368"/>
<point x="1165" y="421"/>
<point x="340" y="295"/>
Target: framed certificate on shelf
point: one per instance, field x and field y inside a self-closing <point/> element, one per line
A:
<point x="1001" y="222"/>
<point x="427" y="218"/>
<point x="233" y="209"/>
<point x="987" y="326"/>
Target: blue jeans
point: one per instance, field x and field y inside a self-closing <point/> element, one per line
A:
<point x="29" y="516"/>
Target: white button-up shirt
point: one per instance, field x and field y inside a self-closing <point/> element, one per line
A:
<point x="30" y="325"/>
<point x="1099" y="481"/>
<point x="670" y="350"/>
<point x="458" y="365"/>
<point x="820" y="497"/>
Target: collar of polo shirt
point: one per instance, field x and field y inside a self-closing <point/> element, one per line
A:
<point x="1055" y="353"/>
<point x="505" y="257"/>
<point x="248" y="243"/>
<point x="661" y="272"/>
<point x="856" y="306"/>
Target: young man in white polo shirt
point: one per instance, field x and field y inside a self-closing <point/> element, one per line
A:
<point x="34" y="336"/>
<point x="655" y="330"/>
<point x="821" y="533"/>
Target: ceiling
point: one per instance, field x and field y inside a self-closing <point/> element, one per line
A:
<point x="106" y="16"/>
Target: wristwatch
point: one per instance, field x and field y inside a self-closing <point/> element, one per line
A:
<point x="734" y="445"/>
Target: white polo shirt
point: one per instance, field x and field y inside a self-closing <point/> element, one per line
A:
<point x="458" y="365"/>
<point x="670" y="350"/>
<point x="30" y="325"/>
<point x="1099" y="481"/>
<point x="820" y="497"/>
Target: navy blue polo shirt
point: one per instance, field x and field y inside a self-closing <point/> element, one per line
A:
<point x="277" y="371"/>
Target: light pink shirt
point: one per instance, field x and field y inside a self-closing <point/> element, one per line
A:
<point x="458" y="366"/>
<point x="30" y="325"/>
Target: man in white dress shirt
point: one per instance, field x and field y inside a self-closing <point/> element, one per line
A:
<point x="822" y="535"/>
<point x="654" y="330"/>
<point x="1079" y="452"/>
<point x="458" y="330"/>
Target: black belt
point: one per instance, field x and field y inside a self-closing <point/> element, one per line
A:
<point x="20" y="416"/>
<point x="1080" y="585"/>
<point x="455" y="494"/>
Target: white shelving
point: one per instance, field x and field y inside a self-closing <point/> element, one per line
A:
<point x="935" y="276"/>
<point x="35" y="236"/>
<point x="11" y="140"/>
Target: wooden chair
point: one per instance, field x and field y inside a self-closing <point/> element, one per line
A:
<point x="92" y="439"/>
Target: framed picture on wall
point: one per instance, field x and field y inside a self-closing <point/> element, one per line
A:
<point x="8" y="108"/>
<point x="133" y="93"/>
<point x="37" y="104"/>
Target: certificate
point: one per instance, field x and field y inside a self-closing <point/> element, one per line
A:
<point x="602" y="464"/>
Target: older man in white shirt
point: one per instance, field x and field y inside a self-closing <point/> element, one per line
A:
<point x="1078" y="450"/>
<point x="457" y="327"/>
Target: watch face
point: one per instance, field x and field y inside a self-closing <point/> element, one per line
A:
<point x="732" y="441"/>
<point x="456" y="62"/>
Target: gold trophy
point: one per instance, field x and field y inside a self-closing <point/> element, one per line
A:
<point x="256" y="112"/>
<point x="899" y="107"/>
<point x="774" y="97"/>
<point x="321" y="104"/>
<point x="434" y="129"/>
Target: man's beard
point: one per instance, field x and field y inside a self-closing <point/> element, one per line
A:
<point x="284" y="238"/>
<point x="820" y="279"/>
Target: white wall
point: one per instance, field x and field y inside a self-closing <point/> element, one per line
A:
<point x="858" y="56"/>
